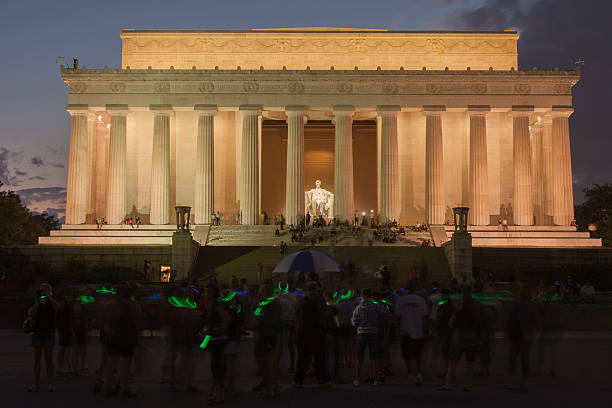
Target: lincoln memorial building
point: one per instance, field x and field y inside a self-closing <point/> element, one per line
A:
<point x="403" y="124"/>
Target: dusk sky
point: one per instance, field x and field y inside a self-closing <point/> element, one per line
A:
<point x="34" y="125"/>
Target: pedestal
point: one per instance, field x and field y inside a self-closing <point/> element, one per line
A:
<point x="458" y="253"/>
<point x="182" y="254"/>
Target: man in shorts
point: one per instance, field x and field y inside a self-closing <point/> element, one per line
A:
<point x="411" y="310"/>
<point x="366" y="317"/>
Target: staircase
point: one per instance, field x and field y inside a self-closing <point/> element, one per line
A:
<point x="545" y="236"/>
<point x="88" y="234"/>
<point x="263" y="235"/>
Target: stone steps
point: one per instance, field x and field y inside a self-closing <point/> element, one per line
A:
<point x="553" y="236"/>
<point x="536" y="242"/>
<point x="514" y="228"/>
<point x="105" y="240"/>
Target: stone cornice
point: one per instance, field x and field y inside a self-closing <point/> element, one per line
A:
<point x="310" y="82"/>
<point x="85" y="73"/>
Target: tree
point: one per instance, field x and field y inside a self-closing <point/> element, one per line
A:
<point x="18" y="225"/>
<point x="596" y="210"/>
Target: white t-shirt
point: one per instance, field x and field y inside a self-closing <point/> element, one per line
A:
<point x="434" y="299"/>
<point x="411" y="309"/>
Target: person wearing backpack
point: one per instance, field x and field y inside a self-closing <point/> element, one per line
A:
<point x="312" y="332"/>
<point x="41" y="325"/>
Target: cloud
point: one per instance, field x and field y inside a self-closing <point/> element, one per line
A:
<point x="37" y="161"/>
<point x="59" y="213"/>
<point x="20" y="173"/>
<point x="51" y="200"/>
<point x="5" y="175"/>
<point x="39" y="194"/>
<point x="556" y="33"/>
<point x="58" y="165"/>
<point x="41" y="178"/>
<point x="58" y="151"/>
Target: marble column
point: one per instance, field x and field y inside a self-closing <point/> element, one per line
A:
<point x="435" y="203"/>
<point x="79" y="162"/>
<point x="205" y="164"/>
<point x="522" y="203"/>
<point x="294" y="191"/>
<point x="537" y="185"/>
<point x="479" y="172"/>
<point x="343" y="163"/>
<point x="249" y="203"/>
<point x="160" y="165"/>
<point x="117" y="154"/>
<point x="563" y="201"/>
<point x="388" y="173"/>
<point x="547" y="168"/>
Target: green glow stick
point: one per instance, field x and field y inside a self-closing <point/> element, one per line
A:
<point x="189" y="304"/>
<point x="112" y="291"/>
<point x="229" y="297"/>
<point x="85" y="300"/>
<point x="205" y="342"/>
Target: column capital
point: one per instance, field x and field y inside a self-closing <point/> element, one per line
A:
<point x="78" y="109"/>
<point x="296" y="108"/>
<point x="161" y="109"/>
<point x="205" y="109"/>
<point x="343" y="109"/>
<point x="547" y="118"/>
<point x="433" y="110"/>
<point x="388" y="109"/>
<point x="251" y="109"/>
<point x="521" y="110"/>
<point x="479" y="110"/>
<point x="562" y="111"/>
<point x="117" y="109"/>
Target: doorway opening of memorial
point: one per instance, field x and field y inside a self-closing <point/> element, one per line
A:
<point x="319" y="136"/>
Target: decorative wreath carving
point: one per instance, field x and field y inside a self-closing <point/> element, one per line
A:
<point x="296" y="87"/>
<point x="161" y="87"/>
<point x="522" y="89"/>
<point x="563" y="89"/>
<point x="479" y="88"/>
<point x="433" y="88"/>
<point x="389" y="88"/>
<point x="250" y="87"/>
<point x="206" y="87"/>
<point x="344" y="87"/>
<point x="78" y="87"/>
<point x="117" y="87"/>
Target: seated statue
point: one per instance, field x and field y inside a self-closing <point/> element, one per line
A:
<point x="319" y="202"/>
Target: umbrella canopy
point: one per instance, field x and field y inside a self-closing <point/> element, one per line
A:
<point x="308" y="261"/>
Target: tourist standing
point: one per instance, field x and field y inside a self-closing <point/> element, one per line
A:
<point x="65" y="333"/>
<point x="465" y="340"/>
<point x="312" y="331"/>
<point x="289" y="326"/>
<point x="365" y="318"/>
<point x="333" y="337"/>
<point x="520" y="334"/>
<point x="42" y="325"/>
<point x="267" y="326"/>
<point x="217" y="327"/>
<point x="122" y="323"/>
<point x="411" y="310"/>
<point x="345" y="307"/>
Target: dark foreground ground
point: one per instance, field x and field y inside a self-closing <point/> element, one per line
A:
<point x="584" y="377"/>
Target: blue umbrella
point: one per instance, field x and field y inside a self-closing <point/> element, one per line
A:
<point x="308" y="261"/>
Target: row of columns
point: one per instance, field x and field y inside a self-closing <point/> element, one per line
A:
<point x="556" y="184"/>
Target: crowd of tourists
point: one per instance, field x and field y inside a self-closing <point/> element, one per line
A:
<point x="324" y="331"/>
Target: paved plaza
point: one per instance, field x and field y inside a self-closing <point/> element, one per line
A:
<point x="584" y="377"/>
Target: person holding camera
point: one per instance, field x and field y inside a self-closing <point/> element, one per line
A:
<point x="41" y="324"/>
